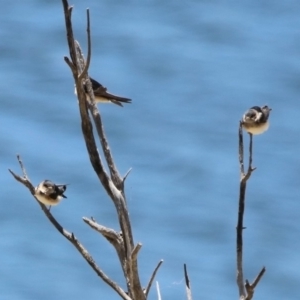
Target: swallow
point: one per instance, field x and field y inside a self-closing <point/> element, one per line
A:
<point x="49" y="193"/>
<point x="255" y="120"/>
<point x="102" y="95"/>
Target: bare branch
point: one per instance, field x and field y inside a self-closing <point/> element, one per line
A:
<point x="114" y="186"/>
<point x="70" y="35"/>
<point x="22" y="167"/>
<point x="258" y="278"/>
<point x="113" y="237"/>
<point x="134" y="280"/>
<point x="239" y="228"/>
<point x="152" y="278"/>
<point x="187" y="284"/>
<point x="86" y="124"/>
<point x="136" y="250"/>
<point x="99" y="272"/>
<point x="87" y="65"/>
<point x="109" y="233"/>
<point x="115" y="176"/>
<point x="243" y="289"/>
<point x="251" y="287"/>
<point x="69" y="236"/>
<point x="115" y="194"/>
<point x="95" y="159"/>
<point x="158" y="291"/>
<point x="69" y="63"/>
<point x="241" y="148"/>
<point x="125" y="176"/>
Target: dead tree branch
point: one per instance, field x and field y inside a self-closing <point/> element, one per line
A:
<point x="123" y="242"/>
<point x="246" y="291"/>
<point x="152" y="278"/>
<point x="69" y="236"/>
<point x="187" y="284"/>
<point x="251" y="287"/>
<point x="113" y="184"/>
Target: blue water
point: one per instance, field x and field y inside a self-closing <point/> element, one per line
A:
<point x="192" y="69"/>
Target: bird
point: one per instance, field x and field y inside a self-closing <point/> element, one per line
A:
<point x="50" y="193"/>
<point x="101" y="94"/>
<point x="255" y="120"/>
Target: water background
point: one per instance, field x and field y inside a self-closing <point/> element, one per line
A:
<point x="192" y="69"/>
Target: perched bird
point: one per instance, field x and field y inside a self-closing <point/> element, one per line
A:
<point x="49" y="193"/>
<point x="255" y="120"/>
<point x="102" y="96"/>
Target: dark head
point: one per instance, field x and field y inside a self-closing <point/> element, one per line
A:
<point x="54" y="190"/>
<point x="266" y="111"/>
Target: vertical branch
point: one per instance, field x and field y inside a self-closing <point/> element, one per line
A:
<point x="246" y="290"/>
<point x="114" y="193"/>
<point x="88" y="30"/>
<point x="250" y="152"/>
<point x="241" y="149"/>
<point x="187" y="284"/>
<point x="239" y="239"/>
<point x="114" y="186"/>
<point x="68" y="14"/>
<point x="240" y="227"/>
<point x="158" y="291"/>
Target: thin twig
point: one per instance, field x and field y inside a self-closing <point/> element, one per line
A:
<point x="243" y="289"/>
<point x="239" y="228"/>
<point x="70" y="36"/>
<point x="187" y="284"/>
<point x="69" y="63"/>
<point x="158" y="291"/>
<point x="258" y="277"/>
<point x="87" y="64"/>
<point x="251" y="287"/>
<point x="152" y="277"/>
<point x="241" y="148"/>
<point x="108" y="233"/>
<point x="250" y="152"/>
<point x="125" y="176"/>
<point x="113" y="237"/>
<point x="136" y="250"/>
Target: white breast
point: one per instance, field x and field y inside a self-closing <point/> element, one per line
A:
<point x="47" y="200"/>
<point x="258" y="128"/>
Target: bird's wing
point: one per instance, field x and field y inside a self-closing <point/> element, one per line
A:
<point x="102" y="92"/>
<point x="48" y="190"/>
<point x="253" y="115"/>
<point x="258" y="116"/>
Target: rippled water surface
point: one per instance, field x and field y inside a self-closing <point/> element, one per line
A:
<point x="192" y="69"/>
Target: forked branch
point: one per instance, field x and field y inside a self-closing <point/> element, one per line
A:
<point x="114" y="185"/>
<point x="69" y="236"/>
